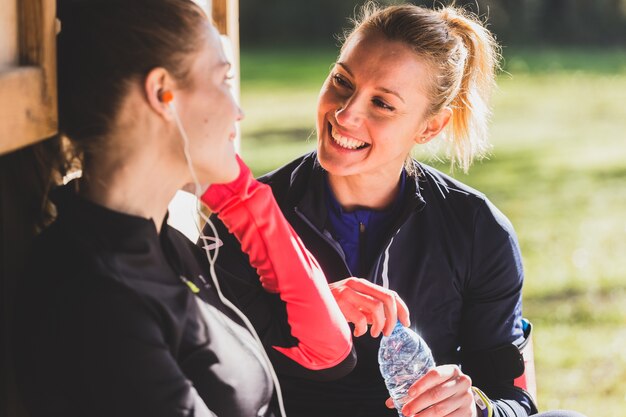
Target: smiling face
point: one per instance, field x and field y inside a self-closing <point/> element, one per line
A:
<point x="209" y="113"/>
<point x="371" y="107"/>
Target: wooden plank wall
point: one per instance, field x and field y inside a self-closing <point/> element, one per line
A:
<point x="28" y="102"/>
<point x="226" y="19"/>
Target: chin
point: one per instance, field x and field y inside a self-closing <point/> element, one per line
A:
<point x="335" y="169"/>
<point x="232" y="172"/>
<point x="332" y="164"/>
<point x="228" y="173"/>
<point x="225" y="172"/>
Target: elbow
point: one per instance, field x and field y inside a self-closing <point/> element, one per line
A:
<point x="315" y="366"/>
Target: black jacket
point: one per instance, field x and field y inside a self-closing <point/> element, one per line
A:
<point x="451" y="255"/>
<point x="107" y="327"/>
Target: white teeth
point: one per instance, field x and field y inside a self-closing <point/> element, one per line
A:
<point x="344" y="141"/>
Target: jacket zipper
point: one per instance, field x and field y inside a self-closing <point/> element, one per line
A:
<point x="331" y="242"/>
<point x="334" y="244"/>
<point x="361" y="244"/>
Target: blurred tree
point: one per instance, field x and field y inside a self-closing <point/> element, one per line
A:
<point x="583" y="22"/>
<point x="292" y="21"/>
<point x="563" y="22"/>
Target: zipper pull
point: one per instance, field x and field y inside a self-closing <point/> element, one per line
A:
<point x="361" y="248"/>
<point x="194" y="289"/>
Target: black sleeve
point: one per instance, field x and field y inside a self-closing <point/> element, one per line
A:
<point x="266" y="311"/>
<point x="108" y="336"/>
<point x="137" y="374"/>
<point x="492" y="312"/>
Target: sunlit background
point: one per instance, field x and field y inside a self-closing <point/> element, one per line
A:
<point x="558" y="168"/>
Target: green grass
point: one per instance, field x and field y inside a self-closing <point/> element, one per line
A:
<point x="558" y="171"/>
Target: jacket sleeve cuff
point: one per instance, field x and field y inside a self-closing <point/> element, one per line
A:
<point x="219" y="196"/>
<point x="482" y="403"/>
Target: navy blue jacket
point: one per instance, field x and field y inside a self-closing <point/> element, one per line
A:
<point x="450" y="254"/>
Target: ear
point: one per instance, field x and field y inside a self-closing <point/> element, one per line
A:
<point x="156" y="82"/>
<point x="433" y="125"/>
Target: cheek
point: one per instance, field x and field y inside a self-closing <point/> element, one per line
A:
<point x="394" y="136"/>
<point x="322" y="104"/>
<point x="328" y="99"/>
<point x="217" y="114"/>
<point x="229" y="109"/>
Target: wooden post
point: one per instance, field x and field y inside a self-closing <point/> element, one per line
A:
<point x="28" y="103"/>
<point x="226" y="19"/>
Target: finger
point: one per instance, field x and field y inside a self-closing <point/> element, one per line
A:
<point x="360" y="326"/>
<point x="391" y="313"/>
<point x="434" y="377"/>
<point x="382" y="295"/>
<point x="373" y="309"/>
<point x="355" y="316"/>
<point x="459" y="404"/>
<point x="451" y="392"/>
<point x="403" y="311"/>
<point x="378" y="314"/>
<point x="389" y="403"/>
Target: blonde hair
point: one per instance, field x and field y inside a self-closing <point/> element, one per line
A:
<point x="464" y="56"/>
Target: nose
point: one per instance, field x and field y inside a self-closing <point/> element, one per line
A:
<point x="240" y="114"/>
<point x="348" y="114"/>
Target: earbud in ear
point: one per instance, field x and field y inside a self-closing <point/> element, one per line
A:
<point x="166" y="96"/>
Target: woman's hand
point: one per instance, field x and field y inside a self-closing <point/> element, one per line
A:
<point x="442" y="391"/>
<point x="363" y="303"/>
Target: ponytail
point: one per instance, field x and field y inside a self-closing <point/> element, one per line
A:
<point x="467" y="130"/>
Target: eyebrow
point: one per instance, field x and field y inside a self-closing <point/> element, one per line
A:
<point x="383" y="89"/>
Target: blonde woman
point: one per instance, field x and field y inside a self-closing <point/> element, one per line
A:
<point x="366" y="209"/>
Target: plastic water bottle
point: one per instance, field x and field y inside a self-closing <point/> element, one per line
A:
<point x="403" y="357"/>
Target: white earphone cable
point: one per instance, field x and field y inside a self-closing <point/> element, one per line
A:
<point x="212" y="258"/>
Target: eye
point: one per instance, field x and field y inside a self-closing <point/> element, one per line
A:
<point x="339" y="80"/>
<point x="379" y="103"/>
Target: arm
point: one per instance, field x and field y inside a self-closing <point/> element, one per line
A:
<point x="491" y="331"/>
<point x="492" y="320"/>
<point x="103" y="350"/>
<point x="130" y="365"/>
<point x="285" y="267"/>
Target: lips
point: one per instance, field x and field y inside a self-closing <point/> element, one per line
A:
<point x="346" y="142"/>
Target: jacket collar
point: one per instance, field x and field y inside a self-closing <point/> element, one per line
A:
<point x="102" y="226"/>
<point x="307" y="192"/>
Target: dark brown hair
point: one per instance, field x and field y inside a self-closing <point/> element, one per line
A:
<point x="106" y="44"/>
<point x="464" y="56"/>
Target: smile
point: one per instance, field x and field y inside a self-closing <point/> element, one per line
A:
<point x="346" y="142"/>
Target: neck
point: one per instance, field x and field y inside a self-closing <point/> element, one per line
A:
<point x="373" y="191"/>
<point x="138" y="184"/>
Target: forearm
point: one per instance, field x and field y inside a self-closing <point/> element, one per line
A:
<point x="249" y="211"/>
